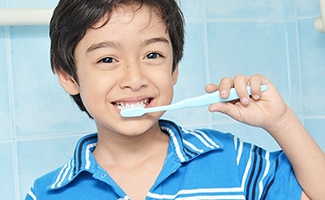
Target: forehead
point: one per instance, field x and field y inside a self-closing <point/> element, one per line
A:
<point x="126" y="25"/>
<point x="144" y="17"/>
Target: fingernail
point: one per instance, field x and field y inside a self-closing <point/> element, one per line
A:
<point x="256" y="96"/>
<point x="244" y="100"/>
<point x="223" y="92"/>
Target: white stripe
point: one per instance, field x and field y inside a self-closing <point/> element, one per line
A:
<point x="201" y="139"/>
<point x="266" y="171"/>
<point x="209" y="139"/>
<point x="31" y="194"/>
<point x="174" y="139"/>
<point x="88" y="153"/>
<point x="192" y="146"/>
<point x="247" y="168"/>
<point x="59" y="176"/>
<point x="64" y="174"/>
<point x="240" y="151"/>
<point x="194" y="191"/>
<point x="71" y="171"/>
<point x="235" y="141"/>
<point x="214" y="197"/>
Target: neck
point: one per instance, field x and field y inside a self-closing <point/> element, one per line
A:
<point x="115" y="149"/>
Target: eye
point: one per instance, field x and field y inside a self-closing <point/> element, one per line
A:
<point x="153" y="55"/>
<point x="107" y="60"/>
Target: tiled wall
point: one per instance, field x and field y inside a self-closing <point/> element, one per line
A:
<point x="39" y="123"/>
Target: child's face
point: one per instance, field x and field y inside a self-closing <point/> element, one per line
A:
<point x="127" y="61"/>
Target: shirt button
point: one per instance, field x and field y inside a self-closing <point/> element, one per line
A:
<point x="103" y="175"/>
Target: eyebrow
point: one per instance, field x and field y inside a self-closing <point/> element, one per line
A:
<point x="113" y="44"/>
<point x="155" y="40"/>
<point x="102" y="45"/>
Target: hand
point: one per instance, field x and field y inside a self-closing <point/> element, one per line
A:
<point x="262" y="109"/>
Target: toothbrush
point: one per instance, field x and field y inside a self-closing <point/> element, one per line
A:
<point x="202" y="100"/>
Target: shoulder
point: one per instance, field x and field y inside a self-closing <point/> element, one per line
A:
<point x="41" y="184"/>
<point x="47" y="179"/>
<point x="223" y="140"/>
<point x="226" y="138"/>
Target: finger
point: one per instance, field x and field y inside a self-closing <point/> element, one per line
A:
<point x="211" y="88"/>
<point x="240" y="84"/>
<point x="255" y="82"/>
<point x="224" y="87"/>
<point x="230" y="109"/>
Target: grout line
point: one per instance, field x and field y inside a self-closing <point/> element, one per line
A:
<point x="297" y="53"/>
<point x="206" y="51"/>
<point x="11" y="108"/>
<point x="289" y="63"/>
<point x="312" y="117"/>
<point x="40" y="137"/>
<point x="300" y="85"/>
<point x="46" y="137"/>
<point x="289" y="74"/>
<point x="259" y="20"/>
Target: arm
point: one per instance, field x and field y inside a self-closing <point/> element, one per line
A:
<point x="306" y="158"/>
<point x="268" y="111"/>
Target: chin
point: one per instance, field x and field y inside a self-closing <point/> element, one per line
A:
<point x="139" y="125"/>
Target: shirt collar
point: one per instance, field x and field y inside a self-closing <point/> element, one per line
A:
<point x="185" y="144"/>
<point x="82" y="160"/>
<point x="188" y="144"/>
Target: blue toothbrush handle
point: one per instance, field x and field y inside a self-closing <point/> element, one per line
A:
<point x="212" y="98"/>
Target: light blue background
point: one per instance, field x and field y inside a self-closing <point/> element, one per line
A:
<point x="40" y="124"/>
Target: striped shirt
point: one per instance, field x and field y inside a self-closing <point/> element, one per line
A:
<point x="201" y="164"/>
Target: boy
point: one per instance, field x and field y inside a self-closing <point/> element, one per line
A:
<point x="112" y="54"/>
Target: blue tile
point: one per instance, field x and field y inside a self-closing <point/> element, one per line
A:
<point x="312" y="51"/>
<point x="248" y="48"/>
<point x="41" y="105"/>
<point x="7" y="189"/>
<point x="192" y="69"/>
<point x="192" y="76"/>
<point x="247" y="9"/>
<point x="193" y="10"/>
<point x="40" y="156"/>
<point x="3" y="3"/>
<point x="5" y="116"/>
<point x="32" y="3"/>
<point x="308" y="7"/>
<point x="315" y="128"/>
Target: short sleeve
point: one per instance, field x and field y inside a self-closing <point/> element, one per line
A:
<point x="284" y="184"/>
<point x="264" y="174"/>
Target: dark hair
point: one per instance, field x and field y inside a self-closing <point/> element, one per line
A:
<point x="72" y="18"/>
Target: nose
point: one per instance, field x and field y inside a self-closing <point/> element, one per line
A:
<point x="134" y="77"/>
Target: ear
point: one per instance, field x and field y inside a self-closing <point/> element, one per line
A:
<point x="175" y="75"/>
<point x="68" y="83"/>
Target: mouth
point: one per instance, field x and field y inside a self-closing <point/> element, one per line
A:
<point x="134" y="104"/>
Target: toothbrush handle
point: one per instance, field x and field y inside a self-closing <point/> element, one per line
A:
<point x="212" y="98"/>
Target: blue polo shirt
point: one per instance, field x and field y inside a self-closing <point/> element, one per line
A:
<point x="201" y="164"/>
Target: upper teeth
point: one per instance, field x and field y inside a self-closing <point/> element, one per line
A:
<point x="123" y="106"/>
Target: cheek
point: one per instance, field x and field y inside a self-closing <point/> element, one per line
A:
<point x="94" y="92"/>
<point x="166" y="85"/>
